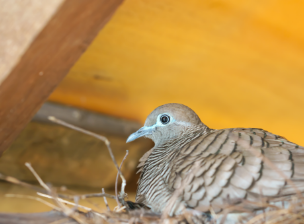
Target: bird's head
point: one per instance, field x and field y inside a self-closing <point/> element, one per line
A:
<point x="167" y="122"/>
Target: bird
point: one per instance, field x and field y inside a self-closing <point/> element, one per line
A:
<point x="213" y="167"/>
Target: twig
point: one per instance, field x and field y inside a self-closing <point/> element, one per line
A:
<point x="116" y="182"/>
<point x="102" y="138"/>
<point x="71" y="203"/>
<point x="119" y="209"/>
<point x="105" y="200"/>
<point x="269" y="213"/>
<point x="37" y="177"/>
<point x="14" y="180"/>
<point x="74" y="195"/>
<point x="63" y="208"/>
<point x="83" y="196"/>
<point x="65" y="201"/>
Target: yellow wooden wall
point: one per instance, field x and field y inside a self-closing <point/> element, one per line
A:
<point x="236" y="63"/>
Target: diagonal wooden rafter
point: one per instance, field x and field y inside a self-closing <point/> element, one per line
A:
<point x="47" y="60"/>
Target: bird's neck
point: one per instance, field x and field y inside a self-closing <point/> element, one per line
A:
<point x="165" y="151"/>
<point x="182" y="137"/>
<point x="158" y="166"/>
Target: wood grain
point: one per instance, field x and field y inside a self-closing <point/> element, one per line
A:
<point x="62" y="156"/>
<point x="48" y="60"/>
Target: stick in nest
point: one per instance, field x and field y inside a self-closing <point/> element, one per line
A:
<point x="65" y="201"/>
<point x="14" y="180"/>
<point x="100" y="137"/>
<point x="63" y="208"/>
<point x="116" y="182"/>
<point x="105" y="200"/>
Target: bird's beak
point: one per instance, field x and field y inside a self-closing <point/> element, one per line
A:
<point x="141" y="132"/>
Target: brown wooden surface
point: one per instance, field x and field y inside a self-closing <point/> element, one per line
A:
<point x="19" y="26"/>
<point x="48" y="60"/>
<point x="62" y="156"/>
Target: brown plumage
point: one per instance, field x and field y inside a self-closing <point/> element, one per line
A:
<point x="230" y="165"/>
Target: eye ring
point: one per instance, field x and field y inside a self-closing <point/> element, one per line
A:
<point x="164" y="119"/>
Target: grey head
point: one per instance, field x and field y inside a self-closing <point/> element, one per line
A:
<point x="167" y="122"/>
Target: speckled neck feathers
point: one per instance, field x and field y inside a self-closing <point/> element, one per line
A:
<point x="155" y="167"/>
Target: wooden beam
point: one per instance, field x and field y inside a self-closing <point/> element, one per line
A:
<point x="88" y="120"/>
<point x="19" y="26"/>
<point x="47" y="60"/>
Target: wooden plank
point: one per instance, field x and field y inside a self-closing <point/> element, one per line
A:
<point x="48" y="60"/>
<point x="88" y="120"/>
<point x="236" y="63"/>
<point x="81" y="160"/>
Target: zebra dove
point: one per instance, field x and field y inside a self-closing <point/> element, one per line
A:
<point x="222" y="166"/>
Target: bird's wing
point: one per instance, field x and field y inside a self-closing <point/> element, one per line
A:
<point x="231" y="167"/>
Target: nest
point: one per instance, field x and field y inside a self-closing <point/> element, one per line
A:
<point x="66" y="208"/>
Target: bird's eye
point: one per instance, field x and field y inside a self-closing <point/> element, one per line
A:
<point x="164" y="119"/>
